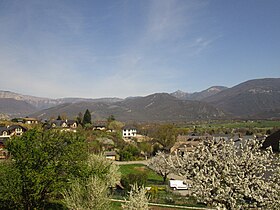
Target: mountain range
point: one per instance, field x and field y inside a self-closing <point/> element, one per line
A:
<point x="253" y="99"/>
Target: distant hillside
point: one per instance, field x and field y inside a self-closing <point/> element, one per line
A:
<point x="12" y="107"/>
<point x="155" y="107"/>
<point x="44" y="103"/>
<point x="254" y="99"/>
<point x="38" y="102"/>
<point x="250" y="98"/>
<point x="198" y="96"/>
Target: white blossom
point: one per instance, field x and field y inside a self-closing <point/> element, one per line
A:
<point x="230" y="176"/>
<point x="137" y="199"/>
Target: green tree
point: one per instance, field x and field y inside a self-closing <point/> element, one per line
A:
<point x="129" y="152"/>
<point x="87" y="118"/>
<point x="46" y="161"/>
<point x="166" y="135"/>
<point x="146" y="148"/>
<point x="10" y="185"/>
<point x="115" y="125"/>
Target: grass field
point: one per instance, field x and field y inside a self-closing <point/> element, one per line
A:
<point x="244" y="124"/>
<point x="153" y="177"/>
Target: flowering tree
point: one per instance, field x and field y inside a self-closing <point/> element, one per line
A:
<point x="92" y="190"/>
<point x="160" y="165"/>
<point x="137" y="199"/>
<point x="230" y="176"/>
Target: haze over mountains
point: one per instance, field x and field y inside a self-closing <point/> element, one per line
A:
<point x="252" y="99"/>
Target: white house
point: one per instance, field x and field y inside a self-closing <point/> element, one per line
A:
<point x="129" y="132"/>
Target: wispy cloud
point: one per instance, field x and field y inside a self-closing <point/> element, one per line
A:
<point x="59" y="49"/>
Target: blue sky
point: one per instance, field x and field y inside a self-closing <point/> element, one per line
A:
<point x="121" y="48"/>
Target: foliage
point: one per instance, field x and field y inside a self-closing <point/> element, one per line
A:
<point x="87" y="117"/>
<point x="87" y="194"/>
<point x="115" y="125"/>
<point x="95" y="146"/>
<point x="105" y="169"/>
<point x="10" y="185"/>
<point x="46" y="161"/>
<point x="139" y="178"/>
<point x="153" y="177"/>
<point x="166" y="135"/>
<point x="129" y="152"/>
<point x="146" y="148"/>
<point x="137" y="199"/>
<point x="160" y="165"/>
<point x="92" y="192"/>
<point x="228" y="175"/>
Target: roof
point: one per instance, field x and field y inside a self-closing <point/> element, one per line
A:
<point x="29" y="118"/>
<point x="129" y="127"/>
<point x="57" y="122"/>
<point x="60" y="122"/>
<point x="100" y="123"/>
<point x="12" y="127"/>
<point x="110" y="153"/>
<point x="3" y="128"/>
<point x="70" y="122"/>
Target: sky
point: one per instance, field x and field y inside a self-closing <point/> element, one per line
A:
<point x="122" y="48"/>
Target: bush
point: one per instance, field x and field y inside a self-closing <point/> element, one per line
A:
<point x="139" y="178"/>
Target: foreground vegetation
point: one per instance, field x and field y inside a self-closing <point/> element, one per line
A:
<point x="52" y="168"/>
<point x="229" y="175"/>
<point x="55" y="169"/>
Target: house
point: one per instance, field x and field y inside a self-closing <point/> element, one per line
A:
<point x="100" y="125"/>
<point x="29" y="120"/>
<point x="111" y="155"/>
<point x="26" y="120"/>
<point x="6" y="132"/>
<point x="64" y="124"/>
<point x="180" y="147"/>
<point x="274" y="141"/>
<point x="129" y="132"/>
<point x="13" y="130"/>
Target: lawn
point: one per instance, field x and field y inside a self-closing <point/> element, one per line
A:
<point x="153" y="177"/>
<point x="162" y="194"/>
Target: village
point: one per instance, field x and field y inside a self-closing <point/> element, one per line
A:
<point x="179" y="142"/>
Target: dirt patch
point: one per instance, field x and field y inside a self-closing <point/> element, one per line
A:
<point x="142" y="168"/>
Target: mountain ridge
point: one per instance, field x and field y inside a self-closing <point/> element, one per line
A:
<point x="252" y="99"/>
<point x="158" y="107"/>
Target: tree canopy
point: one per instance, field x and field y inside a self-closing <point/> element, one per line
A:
<point x="42" y="164"/>
<point x="87" y="117"/>
<point x="166" y="135"/>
